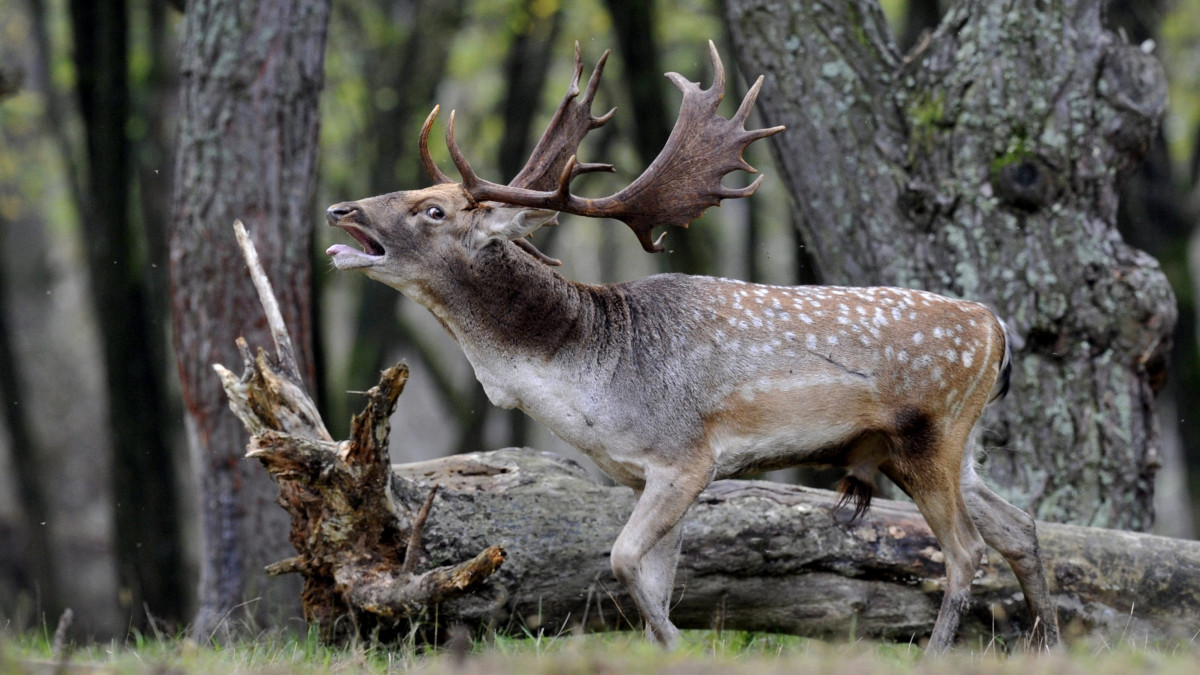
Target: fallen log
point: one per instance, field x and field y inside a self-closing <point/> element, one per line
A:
<point x="517" y="541"/>
<point x="769" y="557"/>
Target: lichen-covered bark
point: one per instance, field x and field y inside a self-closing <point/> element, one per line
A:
<point x="985" y="165"/>
<point x="251" y="73"/>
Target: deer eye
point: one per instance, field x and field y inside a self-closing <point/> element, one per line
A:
<point x="435" y="212"/>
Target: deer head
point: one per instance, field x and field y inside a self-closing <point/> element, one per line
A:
<point x="399" y="228"/>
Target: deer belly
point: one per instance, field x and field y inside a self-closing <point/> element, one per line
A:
<point x="773" y="430"/>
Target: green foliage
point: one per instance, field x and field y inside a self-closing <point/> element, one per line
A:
<point x="1180" y="53"/>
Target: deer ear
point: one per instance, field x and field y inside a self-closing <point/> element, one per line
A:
<point x="509" y="222"/>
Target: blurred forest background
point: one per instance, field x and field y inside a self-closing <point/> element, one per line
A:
<point x="88" y="119"/>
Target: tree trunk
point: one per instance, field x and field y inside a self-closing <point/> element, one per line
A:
<point x="985" y="165"/>
<point x="251" y="76"/>
<point x="149" y="545"/>
<point x="32" y="570"/>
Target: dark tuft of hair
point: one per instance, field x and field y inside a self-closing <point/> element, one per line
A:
<point x="857" y="491"/>
<point x="1000" y="388"/>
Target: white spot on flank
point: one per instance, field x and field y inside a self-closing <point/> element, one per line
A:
<point x="831" y="339"/>
<point x="968" y="358"/>
<point x="811" y="341"/>
<point x="896" y="314"/>
<point x="784" y="316"/>
<point x="918" y="338"/>
<point x="757" y="322"/>
<point x="938" y="332"/>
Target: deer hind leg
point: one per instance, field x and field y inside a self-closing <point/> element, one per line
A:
<point x="1013" y="533"/>
<point x="925" y="464"/>
<point x="646" y="552"/>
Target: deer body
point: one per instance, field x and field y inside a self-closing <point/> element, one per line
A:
<point x="672" y="381"/>
<point x="761" y="376"/>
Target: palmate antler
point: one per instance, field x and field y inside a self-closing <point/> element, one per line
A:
<point x="683" y="181"/>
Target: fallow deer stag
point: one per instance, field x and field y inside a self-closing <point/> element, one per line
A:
<point x="672" y="381"/>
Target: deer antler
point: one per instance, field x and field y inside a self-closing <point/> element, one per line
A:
<point x="683" y="181"/>
<point x="558" y="144"/>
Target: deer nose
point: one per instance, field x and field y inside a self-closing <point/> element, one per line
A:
<point x="343" y="210"/>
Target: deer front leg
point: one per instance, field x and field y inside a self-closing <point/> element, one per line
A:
<point x="646" y="552"/>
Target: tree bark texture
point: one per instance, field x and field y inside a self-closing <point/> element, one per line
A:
<point x="251" y="77"/>
<point x="984" y="164"/>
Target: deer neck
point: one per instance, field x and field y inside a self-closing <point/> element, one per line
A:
<point x="508" y="312"/>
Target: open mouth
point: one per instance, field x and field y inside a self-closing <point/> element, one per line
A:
<point x="369" y="245"/>
<point x="348" y="257"/>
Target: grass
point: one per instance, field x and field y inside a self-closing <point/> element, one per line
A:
<point x="702" y="652"/>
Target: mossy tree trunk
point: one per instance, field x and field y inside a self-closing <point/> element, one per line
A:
<point x="251" y="75"/>
<point x="985" y="164"/>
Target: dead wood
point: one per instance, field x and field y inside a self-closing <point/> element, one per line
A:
<point x="352" y="539"/>
<point x="517" y="540"/>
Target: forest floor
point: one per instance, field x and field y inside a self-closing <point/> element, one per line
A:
<point x="702" y="652"/>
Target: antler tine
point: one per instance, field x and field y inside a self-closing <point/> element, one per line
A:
<point x="743" y="113"/>
<point x="470" y="179"/>
<point x="718" y="71"/>
<point x="593" y="86"/>
<point x="431" y="167"/>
